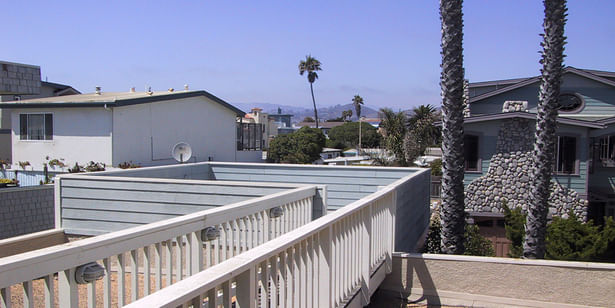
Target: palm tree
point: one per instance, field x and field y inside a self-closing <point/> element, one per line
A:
<point x="357" y="101"/>
<point x="544" y="148"/>
<point x="311" y="66"/>
<point x="393" y="129"/>
<point x="451" y="83"/>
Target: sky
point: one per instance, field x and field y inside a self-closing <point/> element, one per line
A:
<point x="248" y="51"/>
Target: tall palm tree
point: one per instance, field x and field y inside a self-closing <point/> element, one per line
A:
<point x="357" y="101"/>
<point x="544" y="148"/>
<point x="451" y="83"/>
<point x="311" y="66"/>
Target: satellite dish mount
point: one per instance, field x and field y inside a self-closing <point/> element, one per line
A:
<point x="182" y="152"/>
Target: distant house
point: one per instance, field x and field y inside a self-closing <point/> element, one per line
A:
<point x="259" y="126"/>
<point x="137" y="127"/>
<point x="499" y="137"/>
<point x="19" y="82"/>
<point x="282" y="121"/>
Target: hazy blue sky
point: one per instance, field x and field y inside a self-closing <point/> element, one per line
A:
<point x="386" y="51"/>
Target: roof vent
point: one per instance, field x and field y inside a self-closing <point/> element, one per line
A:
<point x="132" y="90"/>
<point x="98" y="90"/>
<point x="171" y="89"/>
<point x="186" y="87"/>
<point x="149" y="91"/>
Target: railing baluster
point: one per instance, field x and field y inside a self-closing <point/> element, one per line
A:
<point x="290" y="277"/>
<point x="134" y="275"/>
<point x="211" y="298"/>
<point x="223" y="242"/>
<point x="236" y="238"/>
<point x="49" y="290"/>
<point x="121" y="286"/>
<point x="308" y="272"/>
<point x="226" y="294"/>
<point x="158" y="252"/>
<point x="106" y="283"/>
<point x="146" y="270"/>
<point x="169" y="262"/>
<point x="264" y="283"/>
<point x="91" y="291"/>
<point x="196" y="243"/>
<point x="246" y="289"/>
<point x="28" y="297"/>
<point x="178" y="259"/>
<point x="274" y="290"/>
<point x="5" y="297"/>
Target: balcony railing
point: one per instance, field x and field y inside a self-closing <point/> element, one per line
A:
<point x="147" y="258"/>
<point x="337" y="260"/>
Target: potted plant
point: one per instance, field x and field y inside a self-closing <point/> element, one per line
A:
<point x="24" y="164"/>
<point x="57" y="163"/>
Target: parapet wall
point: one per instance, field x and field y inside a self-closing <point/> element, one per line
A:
<point x="25" y="210"/>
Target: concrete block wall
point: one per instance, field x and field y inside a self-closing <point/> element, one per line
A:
<point x="19" y="78"/>
<point x="25" y="210"/>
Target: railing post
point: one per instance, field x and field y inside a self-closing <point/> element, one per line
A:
<point x="246" y="289"/>
<point x="366" y="248"/>
<point x="325" y="270"/>
<point x="392" y="216"/>
<point x="67" y="288"/>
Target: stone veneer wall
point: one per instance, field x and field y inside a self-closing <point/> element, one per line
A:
<point x="508" y="176"/>
<point x="26" y="210"/>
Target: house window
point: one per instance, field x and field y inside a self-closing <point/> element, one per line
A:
<point x="607" y="155"/>
<point x="249" y="136"/>
<point x="566" y="159"/>
<point x="470" y="152"/>
<point x="570" y="103"/>
<point x="36" y="126"/>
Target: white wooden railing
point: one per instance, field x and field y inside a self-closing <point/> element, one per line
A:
<point x="336" y="260"/>
<point x="148" y="258"/>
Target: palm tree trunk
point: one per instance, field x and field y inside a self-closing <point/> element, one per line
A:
<point x="544" y="148"/>
<point x="453" y="220"/>
<point x="314" y="102"/>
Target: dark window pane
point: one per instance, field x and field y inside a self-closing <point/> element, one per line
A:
<point x="470" y="152"/>
<point x="48" y="126"/>
<point x="23" y="126"/>
<point x="566" y="154"/>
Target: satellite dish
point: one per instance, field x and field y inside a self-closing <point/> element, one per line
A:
<point x="182" y="152"/>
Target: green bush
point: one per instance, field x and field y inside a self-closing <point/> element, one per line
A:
<point x="572" y="240"/>
<point x="476" y="244"/>
<point x="436" y="167"/>
<point x="514" y="223"/>
<point x="432" y="243"/>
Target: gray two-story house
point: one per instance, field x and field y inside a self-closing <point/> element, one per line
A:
<point x="499" y="138"/>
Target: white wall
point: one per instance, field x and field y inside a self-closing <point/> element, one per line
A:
<point x="146" y="133"/>
<point x="79" y="135"/>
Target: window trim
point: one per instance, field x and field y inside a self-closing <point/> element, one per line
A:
<point x="479" y="162"/>
<point x="577" y="162"/>
<point x="44" y="113"/>
<point x="578" y="109"/>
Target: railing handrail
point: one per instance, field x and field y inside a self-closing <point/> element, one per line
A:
<point x="34" y="264"/>
<point x="86" y="177"/>
<point x="199" y="283"/>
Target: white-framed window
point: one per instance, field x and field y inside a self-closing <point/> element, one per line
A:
<point x="566" y="155"/>
<point x="36" y="126"/>
<point x="607" y="149"/>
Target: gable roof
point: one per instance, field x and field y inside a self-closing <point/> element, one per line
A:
<point x="60" y="89"/>
<point x="513" y="84"/>
<point x="113" y="99"/>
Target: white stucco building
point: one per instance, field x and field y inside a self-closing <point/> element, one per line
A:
<point x="112" y="128"/>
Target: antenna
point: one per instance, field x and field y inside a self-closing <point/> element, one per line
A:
<point x="181" y="152"/>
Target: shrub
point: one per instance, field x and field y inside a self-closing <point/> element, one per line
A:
<point x="572" y="240"/>
<point x="436" y="167"/>
<point x="432" y="243"/>
<point x="476" y="244"/>
<point x="514" y="223"/>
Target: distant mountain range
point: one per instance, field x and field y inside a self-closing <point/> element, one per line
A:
<point x="299" y="113"/>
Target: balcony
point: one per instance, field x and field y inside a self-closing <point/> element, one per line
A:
<point x="224" y="233"/>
